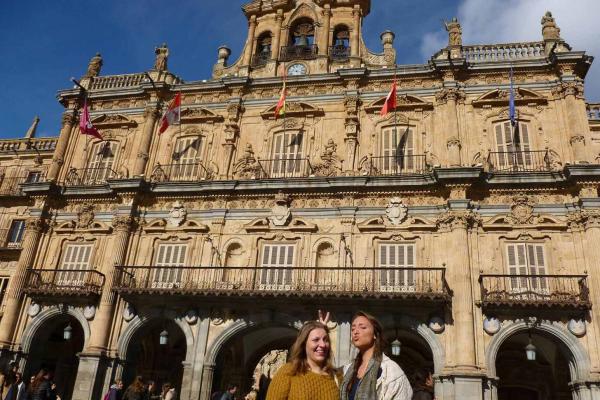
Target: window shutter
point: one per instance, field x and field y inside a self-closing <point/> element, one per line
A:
<point x="101" y="162"/>
<point x="186" y="158"/>
<point x="286" y="152"/>
<point x="278" y="261"/>
<point x="76" y="258"/>
<point x="15" y="236"/>
<point x="396" y="263"/>
<point x="169" y="255"/>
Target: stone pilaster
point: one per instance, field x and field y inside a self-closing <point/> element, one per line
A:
<point x="324" y="39"/>
<point x="207" y="379"/>
<point x="150" y="117"/>
<point x="572" y="93"/>
<point x="277" y="35"/>
<point x="250" y="43"/>
<point x="33" y="233"/>
<point x="355" y="34"/>
<point x="69" y="119"/>
<point x="449" y="98"/>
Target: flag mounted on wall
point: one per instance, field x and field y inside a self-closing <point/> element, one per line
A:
<point x="512" y="111"/>
<point x="390" y="101"/>
<point x="280" y="107"/>
<point x="85" y="124"/>
<point x="172" y="115"/>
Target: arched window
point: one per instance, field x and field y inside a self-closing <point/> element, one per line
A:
<point x="301" y="41"/>
<point x="513" y="148"/>
<point x="340" y="50"/>
<point x="101" y="162"/>
<point x="325" y="276"/>
<point x="233" y="274"/>
<point x="262" y="54"/>
<point x="186" y="165"/>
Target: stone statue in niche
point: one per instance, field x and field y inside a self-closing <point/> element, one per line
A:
<point x="177" y="214"/>
<point x="396" y="211"/>
<point x="550" y="31"/>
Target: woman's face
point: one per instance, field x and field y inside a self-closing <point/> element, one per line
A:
<point x="317" y="346"/>
<point x="363" y="334"/>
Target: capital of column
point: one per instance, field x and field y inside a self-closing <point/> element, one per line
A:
<point x="584" y="219"/>
<point x="123" y="223"/>
<point x="450" y="94"/>
<point x="69" y="117"/>
<point x="151" y="112"/>
<point x="566" y="89"/>
<point x="453" y="220"/>
<point x="35" y="225"/>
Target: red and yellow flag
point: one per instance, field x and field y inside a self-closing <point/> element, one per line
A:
<point x="280" y="107"/>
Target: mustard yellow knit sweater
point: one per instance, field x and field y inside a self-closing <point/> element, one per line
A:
<point x="309" y="386"/>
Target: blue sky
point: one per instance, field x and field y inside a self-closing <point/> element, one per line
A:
<point x="44" y="42"/>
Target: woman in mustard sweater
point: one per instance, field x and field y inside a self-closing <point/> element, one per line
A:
<point x="309" y="374"/>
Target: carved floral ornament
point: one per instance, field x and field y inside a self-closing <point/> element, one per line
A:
<point x="583" y="219"/>
<point x="521" y="211"/>
<point x="281" y="211"/>
<point x="459" y="220"/>
<point x="247" y="167"/>
<point x="566" y="89"/>
<point x="404" y="102"/>
<point x="499" y="98"/>
<point x="395" y="211"/>
<point x="447" y="94"/>
<point x="113" y="121"/>
<point x="200" y="115"/>
<point x="330" y="164"/>
<point x="295" y="109"/>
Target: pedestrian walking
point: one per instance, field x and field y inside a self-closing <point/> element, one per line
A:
<point x="168" y="392"/>
<point x="135" y="391"/>
<point x="423" y="389"/>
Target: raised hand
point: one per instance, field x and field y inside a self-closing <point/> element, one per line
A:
<point x="324" y="318"/>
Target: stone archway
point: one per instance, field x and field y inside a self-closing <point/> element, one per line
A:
<point x="147" y="357"/>
<point x="47" y="348"/>
<point x="415" y="353"/>
<point x="560" y="360"/>
<point x="250" y="356"/>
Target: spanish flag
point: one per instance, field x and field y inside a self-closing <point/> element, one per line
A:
<point x="280" y="108"/>
<point x="390" y="100"/>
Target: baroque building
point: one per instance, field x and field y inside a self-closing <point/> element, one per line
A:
<point x="195" y="255"/>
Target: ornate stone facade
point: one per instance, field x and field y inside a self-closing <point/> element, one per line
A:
<point x="462" y="233"/>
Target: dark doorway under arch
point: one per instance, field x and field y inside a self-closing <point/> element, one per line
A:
<point x="546" y="378"/>
<point x="50" y="350"/>
<point x="415" y="353"/>
<point x="161" y="363"/>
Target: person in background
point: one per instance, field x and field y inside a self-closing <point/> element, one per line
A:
<point x="310" y="373"/>
<point x="116" y="390"/>
<point x="229" y="394"/>
<point x="18" y="390"/>
<point x="42" y="387"/>
<point x="423" y="389"/>
<point x="135" y="391"/>
<point x="168" y="392"/>
<point x="372" y="375"/>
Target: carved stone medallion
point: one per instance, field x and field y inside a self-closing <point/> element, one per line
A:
<point x="177" y="214"/>
<point x="396" y="211"/>
<point x="281" y="211"/>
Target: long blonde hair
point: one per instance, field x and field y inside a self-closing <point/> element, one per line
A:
<point x="298" y="357"/>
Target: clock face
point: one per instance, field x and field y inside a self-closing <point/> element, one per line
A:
<point x="297" y="69"/>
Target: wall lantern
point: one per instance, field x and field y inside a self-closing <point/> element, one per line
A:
<point x="530" y="350"/>
<point x="68" y="332"/>
<point x="396" y="345"/>
<point x="164" y="337"/>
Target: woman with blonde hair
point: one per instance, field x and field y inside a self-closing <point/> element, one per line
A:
<point x="309" y="374"/>
<point x="372" y="375"/>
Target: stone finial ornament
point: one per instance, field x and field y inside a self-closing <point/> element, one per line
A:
<point x="162" y="56"/>
<point x="94" y="66"/>
<point x="31" y="131"/>
<point x="550" y="30"/>
<point x="454" y="32"/>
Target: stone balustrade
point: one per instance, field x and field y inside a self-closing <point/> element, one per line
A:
<point x="593" y="111"/>
<point x="33" y="144"/>
<point x="504" y="52"/>
<point x="117" y="81"/>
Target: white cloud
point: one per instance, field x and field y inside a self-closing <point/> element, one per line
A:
<point x="506" y="21"/>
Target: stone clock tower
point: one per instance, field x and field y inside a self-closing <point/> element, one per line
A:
<point x="307" y="36"/>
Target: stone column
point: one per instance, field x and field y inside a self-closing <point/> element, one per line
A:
<point x="456" y="225"/>
<point x="324" y="39"/>
<point x="355" y="37"/>
<point x="575" y="105"/>
<point x="150" y="117"/>
<point x="91" y="372"/>
<point x="33" y="233"/>
<point x="69" y="119"/>
<point x="250" y="43"/>
<point x="207" y="379"/>
<point x="449" y="98"/>
<point x="275" y="47"/>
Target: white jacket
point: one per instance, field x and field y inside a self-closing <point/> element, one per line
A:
<point x="393" y="383"/>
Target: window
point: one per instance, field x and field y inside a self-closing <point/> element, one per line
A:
<point x="3" y="289"/>
<point x="527" y="260"/>
<point x="186" y="159"/>
<point x="33" y="177"/>
<point x="74" y="264"/>
<point x="169" y="255"/>
<point x="397" y="150"/>
<point x="396" y="261"/>
<point x="276" y="266"/>
<point x="102" y="159"/>
<point x="15" y="234"/>
<point x="514" y="150"/>
<point x="287" y="154"/>
<point x="302" y="32"/>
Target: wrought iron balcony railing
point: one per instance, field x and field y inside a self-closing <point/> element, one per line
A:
<point x="11" y="239"/>
<point x="566" y="291"/>
<point x="261" y="59"/>
<point x="285" y="168"/>
<point x="519" y="161"/>
<point x="89" y="176"/>
<point x="398" y="165"/>
<point x="11" y="186"/>
<point x="297" y="52"/>
<point x="181" y="172"/>
<point x="409" y="283"/>
<point x="339" y="53"/>
<point x="61" y="282"/>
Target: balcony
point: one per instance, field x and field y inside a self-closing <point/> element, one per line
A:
<point x="261" y="59"/>
<point x="285" y="168"/>
<point x="398" y="165"/>
<point x="535" y="291"/>
<point x="519" y="161"/>
<point x="423" y="284"/>
<point x="63" y="283"/>
<point x="89" y="176"/>
<point x="11" y="186"/>
<point x="181" y="172"/>
<point x="339" y="53"/>
<point x="298" y="52"/>
<point x="10" y="239"/>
